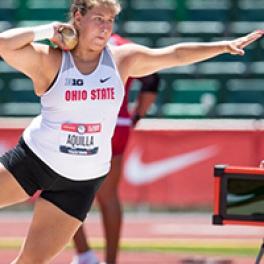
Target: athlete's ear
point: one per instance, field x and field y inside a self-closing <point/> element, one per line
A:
<point x="77" y="18"/>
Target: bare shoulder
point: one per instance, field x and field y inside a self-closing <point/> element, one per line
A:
<point x="129" y="50"/>
<point x="126" y="56"/>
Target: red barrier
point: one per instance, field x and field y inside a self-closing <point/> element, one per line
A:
<point x="10" y="131"/>
<point x="174" y="167"/>
<point x="9" y="138"/>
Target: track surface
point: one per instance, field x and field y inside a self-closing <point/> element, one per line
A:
<point x="147" y="229"/>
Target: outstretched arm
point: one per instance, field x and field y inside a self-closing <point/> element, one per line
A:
<point x="137" y="60"/>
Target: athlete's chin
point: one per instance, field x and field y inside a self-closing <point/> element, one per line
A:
<point x="99" y="46"/>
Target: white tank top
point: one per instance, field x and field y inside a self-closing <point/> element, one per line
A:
<point x="72" y="135"/>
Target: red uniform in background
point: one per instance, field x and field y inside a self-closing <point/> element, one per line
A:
<point x="124" y="121"/>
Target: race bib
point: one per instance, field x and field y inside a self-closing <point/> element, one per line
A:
<point x="80" y="139"/>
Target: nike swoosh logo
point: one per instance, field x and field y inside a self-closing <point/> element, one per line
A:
<point x="105" y="80"/>
<point x="138" y="173"/>
<point x="232" y="198"/>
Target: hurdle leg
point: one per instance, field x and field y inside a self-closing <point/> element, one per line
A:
<point x="260" y="254"/>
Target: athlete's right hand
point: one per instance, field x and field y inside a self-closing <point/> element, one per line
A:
<point x="65" y="36"/>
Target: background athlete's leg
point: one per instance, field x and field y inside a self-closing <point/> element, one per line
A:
<point x="51" y="229"/>
<point x="11" y="192"/>
<point x="110" y="205"/>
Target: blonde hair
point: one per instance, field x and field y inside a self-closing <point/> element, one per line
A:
<point x="84" y="5"/>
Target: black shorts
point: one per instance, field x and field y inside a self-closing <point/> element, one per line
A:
<point x="73" y="197"/>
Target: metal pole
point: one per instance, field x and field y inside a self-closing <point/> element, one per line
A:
<point x="260" y="254"/>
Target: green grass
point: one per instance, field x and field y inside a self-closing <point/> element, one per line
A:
<point x="166" y="246"/>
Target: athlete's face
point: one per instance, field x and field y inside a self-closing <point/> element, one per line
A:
<point x="95" y="27"/>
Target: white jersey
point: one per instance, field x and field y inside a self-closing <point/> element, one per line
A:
<point x="72" y="135"/>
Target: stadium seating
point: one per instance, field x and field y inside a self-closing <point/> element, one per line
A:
<point x="4" y="25"/>
<point x="244" y="91"/>
<point x="8" y="9"/>
<point x="239" y="110"/>
<point x="226" y="86"/>
<point x="16" y="93"/>
<point x="192" y="91"/>
<point x="209" y="10"/>
<point x="194" y="97"/>
<point x="41" y="10"/>
<point x="249" y="10"/>
<point x="151" y="10"/>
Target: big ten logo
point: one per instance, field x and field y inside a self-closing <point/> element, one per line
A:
<point x="73" y="82"/>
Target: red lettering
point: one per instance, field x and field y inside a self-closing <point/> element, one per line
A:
<point x="112" y="93"/>
<point x="67" y="95"/>
<point x="84" y="95"/>
<point x="76" y="95"/>
<point x="93" y="95"/>
<point x="103" y="94"/>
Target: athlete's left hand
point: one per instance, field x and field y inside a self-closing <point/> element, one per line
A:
<point x="236" y="46"/>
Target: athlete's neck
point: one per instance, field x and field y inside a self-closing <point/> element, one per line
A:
<point x="85" y="61"/>
<point x="85" y="54"/>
